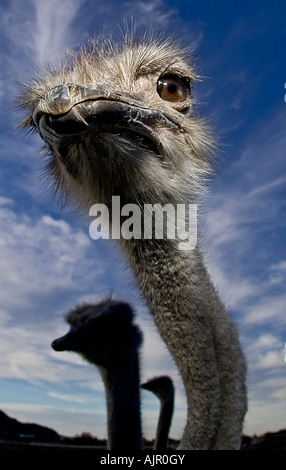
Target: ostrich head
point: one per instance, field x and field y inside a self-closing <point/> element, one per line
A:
<point x="104" y="333"/>
<point x="118" y="119"/>
<point x="162" y="387"/>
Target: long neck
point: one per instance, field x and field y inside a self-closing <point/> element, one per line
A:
<point x="164" y="423"/>
<point x="177" y="289"/>
<point x="123" y="404"/>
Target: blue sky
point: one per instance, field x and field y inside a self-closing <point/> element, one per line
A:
<point x="47" y="260"/>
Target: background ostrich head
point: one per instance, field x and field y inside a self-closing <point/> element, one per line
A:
<point x="118" y="119"/>
<point x="161" y="386"/>
<point x="103" y="333"/>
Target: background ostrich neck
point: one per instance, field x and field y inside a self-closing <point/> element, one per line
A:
<point x="177" y="289"/>
<point x="123" y="404"/>
<point x="166" y="412"/>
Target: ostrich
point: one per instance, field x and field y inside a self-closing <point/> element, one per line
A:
<point x="163" y="388"/>
<point x="117" y="118"/>
<point x="105" y="335"/>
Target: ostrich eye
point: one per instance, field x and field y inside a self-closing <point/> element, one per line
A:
<point x="173" y="88"/>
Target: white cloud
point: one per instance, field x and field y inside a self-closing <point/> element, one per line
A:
<point x="4" y="317"/>
<point x="265" y="354"/>
<point x="41" y="30"/>
<point x="271" y="359"/>
<point x="45" y="267"/>
<point x="277" y="275"/>
<point x="265" y="341"/>
<point x="52" y="31"/>
<point x="34" y="33"/>
<point x="82" y="399"/>
<point x="39" y="257"/>
<point x="246" y="206"/>
<point x="280" y="393"/>
<point x="150" y="12"/>
<point x="269" y="309"/>
<point x="25" y="354"/>
<point x="266" y="187"/>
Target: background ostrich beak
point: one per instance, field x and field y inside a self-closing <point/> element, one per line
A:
<point x="61" y="344"/>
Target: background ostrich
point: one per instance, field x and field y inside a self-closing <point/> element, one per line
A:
<point x="105" y="335"/>
<point x="118" y="119"/>
<point x="163" y="388"/>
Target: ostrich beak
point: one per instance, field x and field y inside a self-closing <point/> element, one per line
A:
<point x="69" y="110"/>
<point x="146" y="386"/>
<point x="63" y="343"/>
<point x="60" y="99"/>
<point x="57" y="345"/>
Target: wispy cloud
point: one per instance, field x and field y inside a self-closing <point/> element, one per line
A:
<point x="53" y="29"/>
<point x="248" y="202"/>
<point x="268" y="309"/>
<point x="266" y="352"/>
<point x="158" y="16"/>
<point x="151" y="12"/>
<point x="42" y="30"/>
<point x="82" y="399"/>
<point x="38" y="257"/>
